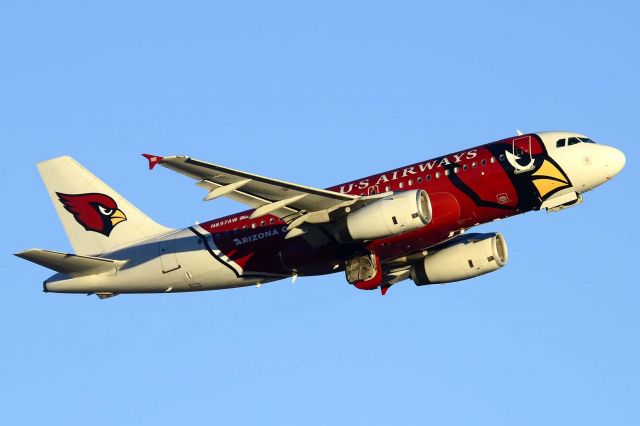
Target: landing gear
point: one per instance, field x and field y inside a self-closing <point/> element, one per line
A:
<point x="364" y="272"/>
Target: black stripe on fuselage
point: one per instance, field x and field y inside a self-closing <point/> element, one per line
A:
<point x="458" y="183"/>
<point x="219" y="259"/>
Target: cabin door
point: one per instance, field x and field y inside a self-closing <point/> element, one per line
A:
<point x="168" y="257"/>
<point x="522" y="153"/>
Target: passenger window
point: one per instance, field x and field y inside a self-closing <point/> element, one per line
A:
<point x="483" y="162"/>
<point x="272" y="221"/>
<point x="419" y="180"/>
<point x="456" y="169"/>
<point x="465" y="167"/>
<point x="428" y="177"/>
<point x="401" y="185"/>
<point x="493" y="160"/>
<point x="387" y="188"/>
<point x="254" y="225"/>
<point x="573" y="141"/>
<point x="410" y="182"/>
<point x="263" y="223"/>
<point x="474" y="164"/>
<point x="437" y="175"/>
<point x="446" y="172"/>
<point x="560" y="143"/>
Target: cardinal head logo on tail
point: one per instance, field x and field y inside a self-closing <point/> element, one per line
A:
<point x="95" y="212"/>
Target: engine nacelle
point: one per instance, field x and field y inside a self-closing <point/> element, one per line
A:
<point x="474" y="255"/>
<point x="389" y="216"/>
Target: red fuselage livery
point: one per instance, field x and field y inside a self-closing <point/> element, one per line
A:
<point x="409" y="222"/>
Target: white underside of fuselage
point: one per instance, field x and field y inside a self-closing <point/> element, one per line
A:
<point x="185" y="260"/>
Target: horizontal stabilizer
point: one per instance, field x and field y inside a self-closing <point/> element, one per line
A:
<point x="70" y="264"/>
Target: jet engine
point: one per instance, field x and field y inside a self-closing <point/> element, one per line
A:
<point x="388" y="216"/>
<point x="468" y="257"/>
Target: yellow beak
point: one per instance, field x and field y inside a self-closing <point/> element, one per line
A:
<point x="548" y="178"/>
<point x="117" y="217"/>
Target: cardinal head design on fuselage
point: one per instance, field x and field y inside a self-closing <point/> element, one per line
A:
<point x="533" y="172"/>
<point x="94" y="211"/>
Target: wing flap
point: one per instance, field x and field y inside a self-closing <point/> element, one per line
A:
<point x="70" y="264"/>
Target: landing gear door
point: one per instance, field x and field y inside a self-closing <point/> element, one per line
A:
<point x="168" y="257"/>
<point x="522" y="154"/>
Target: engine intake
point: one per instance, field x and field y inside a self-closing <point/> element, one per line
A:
<point x="472" y="256"/>
<point x="389" y="216"/>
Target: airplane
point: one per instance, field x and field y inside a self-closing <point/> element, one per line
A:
<point x="405" y="223"/>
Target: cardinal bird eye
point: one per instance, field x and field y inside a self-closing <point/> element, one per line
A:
<point x="105" y="211"/>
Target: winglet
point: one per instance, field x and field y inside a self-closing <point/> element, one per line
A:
<point x="384" y="289"/>
<point x="153" y="160"/>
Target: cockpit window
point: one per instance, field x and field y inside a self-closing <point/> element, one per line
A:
<point x="573" y="141"/>
<point x="586" y="140"/>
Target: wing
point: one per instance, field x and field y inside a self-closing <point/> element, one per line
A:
<point x="295" y="204"/>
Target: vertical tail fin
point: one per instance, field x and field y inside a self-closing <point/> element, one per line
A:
<point x="95" y="217"/>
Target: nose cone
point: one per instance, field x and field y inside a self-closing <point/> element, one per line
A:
<point x="614" y="162"/>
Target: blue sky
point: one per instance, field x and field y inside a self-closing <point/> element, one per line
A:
<point x="320" y="93"/>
